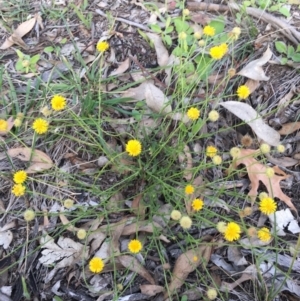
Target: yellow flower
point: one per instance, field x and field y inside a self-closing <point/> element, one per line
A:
<point x="211" y="151"/>
<point x="3" y="125"/>
<point x="209" y="31"/>
<point x="102" y="46"/>
<point x="68" y="203"/>
<point x="40" y="126"/>
<point x="46" y="111"/>
<point x="135" y="246"/>
<point x="235" y="152"/>
<point x="243" y="92"/>
<point x="217" y="160"/>
<point x="193" y="113"/>
<point x="186" y="222"/>
<point x="176" y="215"/>
<point x="197" y="35"/>
<point x="235" y="33"/>
<point x="133" y="147"/>
<point x="197" y="204"/>
<point x="270" y="172"/>
<point x="265" y="148"/>
<point x="17" y="122"/>
<point x="221" y="227"/>
<point x="232" y="232"/>
<point x="267" y="206"/>
<point x="29" y="215"/>
<point x="58" y="102"/>
<point x="185" y="12"/>
<point x="20" y="177"/>
<point x="224" y="47"/>
<point x="189" y="189"/>
<point x="263" y="195"/>
<point x="217" y="52"/>
<point x="96" y="265"/>
<point x="182" y="35"/>
<point x="280" y="148"/>
<point x="213" y="115"/>
<point x="212" y="293"/>
<point x="264" y="234"/>
<point x="81" y="234"/>
<point x="18" y="190"/>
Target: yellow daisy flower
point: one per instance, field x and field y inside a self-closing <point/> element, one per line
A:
<point x="224" y="47"/>
<point x="211" y="151"/>
<point x="243" y="92"/>
<point x="209" y="31"/>
<point x="96" y="265"/>
<point x="267" y="206"/>
<point x="217" y="52"/>
<point x="232" y="232"/>
<point x="58" y="102"/>
<point x="189" y="189"/>
<point x="3" y="125"/>
<point x="193" y="113"/>
<point x="197" y="204"/>
<point x="102" y="46"/>
<point x="20" y="177"/>
<point x="18" y="189"/>
<point x="133" y="147"/>
<point x="40" y="126"/>
<point x="264" y="234"/>
<point x="135" y="246"/>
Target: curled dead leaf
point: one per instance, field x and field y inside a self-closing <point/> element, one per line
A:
<point x="289" y="128"/>
<point x="254" y="120"/>
<point x="161" y="51"/>
<point x="21" y="31"/>
<point x="151" y="290"/>
<point x="185" y="264"/>
<point x="254" y="69"/>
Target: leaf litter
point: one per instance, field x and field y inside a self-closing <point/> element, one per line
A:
<point x="120" y="216"/>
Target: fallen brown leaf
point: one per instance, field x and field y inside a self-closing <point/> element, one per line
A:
<point x="257" y="172"/>
<point x="151" y="290"/>
<point x="21" y="31"/>
<point x="38" y="159"/>
<point x="289" y="128"/>
<point x="132" y="264"/>
<point x="185" y="264"/>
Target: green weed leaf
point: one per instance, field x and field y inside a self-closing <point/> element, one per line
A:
<point x="155" y="28"/>
<point x="281" y="47"/>
<point x="168" y="40"/>
<point x="218" y="25"/>
<point x="296" y="57"/>
<point x="290" y="51"/>
<point x="180" y="25"/>
<point x="48" y="49"/>
<point x="34" y="59"/>
<point x="283" y="10"/>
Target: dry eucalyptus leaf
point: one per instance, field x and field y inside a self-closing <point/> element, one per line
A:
<point x="151" y="290"/>
<point x="21" y="31"/>
<point x="254" y="69"/>
<point x="132" y="264"/>
<point x="156" y="99"/>
<point x="289" y="128"/>
<point x="6" y="238"/>
<point x="185" y="264"/>
<point x="141" y="226"/>
<point x="250" y="273"/>
<point x="122" y="67"/>
<point x="283" y="161"/>
<point x="137" y="93"/>
<point x="235" y="255"/>
<point x="161" y="51"/>
<point x="254" y="120"/>
<point x="38" y="159"/>
<point x="97" y="237"/>
<point x="67" y="223"/>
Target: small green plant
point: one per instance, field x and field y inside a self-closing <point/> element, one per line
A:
<point x="269" y="5"/>
<point x="166" y="33"/>
<point x="289" y="51"/>
<point x="25" y="63"/>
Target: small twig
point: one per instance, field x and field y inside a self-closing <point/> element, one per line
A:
<point x="101" y="13"/>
